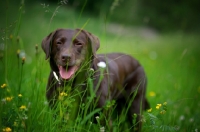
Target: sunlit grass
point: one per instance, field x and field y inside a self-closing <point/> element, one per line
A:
<point x="171" y="62"/>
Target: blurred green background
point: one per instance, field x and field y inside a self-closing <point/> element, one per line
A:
<point x="162" y="35"/>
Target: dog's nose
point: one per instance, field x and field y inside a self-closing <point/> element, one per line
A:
<point x="66" y="57"/>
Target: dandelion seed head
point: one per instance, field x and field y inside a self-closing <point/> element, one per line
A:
<point x="191" y="120"/>
<point x="97" y="117"/>
<point x="102" y="129"/>
<point x="22" y="54"/>
<point x="46" y="103"/>
<point x="101" y="64"/>
<point x="182" y="117"/>
<point x="24" y="117"/>
<point x="2" y="46"/>
<point x="3" y="101"/>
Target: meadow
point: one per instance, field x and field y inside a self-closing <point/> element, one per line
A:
<point x="171" y="61"/>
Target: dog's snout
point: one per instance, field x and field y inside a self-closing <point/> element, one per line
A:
<point x="66" y="57"/>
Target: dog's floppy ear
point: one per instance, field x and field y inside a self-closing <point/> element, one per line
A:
<point x="47" y="42"/>
<point x="92" y="40"/>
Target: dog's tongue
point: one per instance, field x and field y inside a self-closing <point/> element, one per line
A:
<point x="67" y="73"/>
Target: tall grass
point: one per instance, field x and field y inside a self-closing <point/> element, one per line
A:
<point x="171" y="62"/>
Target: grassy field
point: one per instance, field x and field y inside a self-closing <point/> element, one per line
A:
<point x="171" y="61"/>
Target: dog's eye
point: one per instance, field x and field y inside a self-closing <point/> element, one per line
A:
<point x="58" y="43"/>
<point x="78" y="44"/>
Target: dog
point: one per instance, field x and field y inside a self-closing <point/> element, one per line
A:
<point x="72" y="52"/>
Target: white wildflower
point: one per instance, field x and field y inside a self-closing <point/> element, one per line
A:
<point x="101" y="64"/>
<point x="46" y="103"/>
<point x="102" y="129"/>
<point x="22" y="54"/>
<point x="191" y="119"/>
<point x="182" y="117"/>
<point x="3" y="101"/>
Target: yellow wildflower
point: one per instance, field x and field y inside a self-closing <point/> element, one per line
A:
<point x="18" y="52"/>
<point x="3" y="85"/>
<point x="162" y="111"/>
<point x="23" y="107"/>
<point x="19" y="95"/>
<point x="149" y="110"/>
<point x="11" y="36"/>
<point x="158" y="106"/>
<point x="152" y="94"/>
<point x="165" y="103"/>
<point x="63" y="94"/>
<point x="7" y="129"/>
<point x="8" y="99"/>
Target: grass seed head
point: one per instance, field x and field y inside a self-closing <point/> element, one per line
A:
<point x="23" y="60"/>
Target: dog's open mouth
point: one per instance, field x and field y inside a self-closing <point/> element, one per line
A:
<point x="67" y="72"/>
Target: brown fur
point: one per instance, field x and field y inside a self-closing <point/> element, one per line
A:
<point x="122" y="78"/>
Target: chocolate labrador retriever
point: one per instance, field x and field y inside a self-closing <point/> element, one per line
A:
<point x="73" y="52"/>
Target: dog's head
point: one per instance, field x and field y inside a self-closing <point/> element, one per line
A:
<point x="67" y="50"/>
